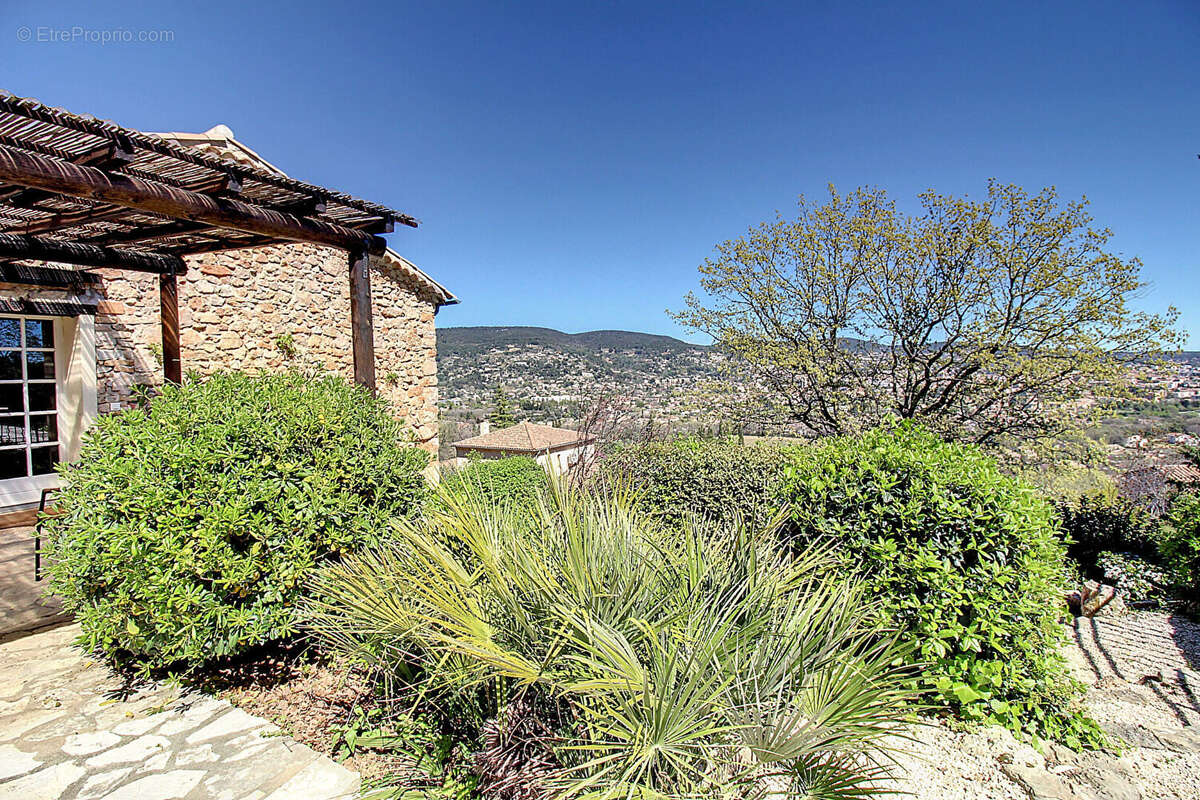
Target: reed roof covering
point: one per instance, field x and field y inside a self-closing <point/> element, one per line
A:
<point x="227" y="190"/>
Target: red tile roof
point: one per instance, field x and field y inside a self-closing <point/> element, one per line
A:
<point x="525" y="437"/>
<point x="1181" y="473"/>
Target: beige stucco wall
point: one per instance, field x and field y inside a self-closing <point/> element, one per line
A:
<point x="555" y="461"/>
<point x="247" y="309"/>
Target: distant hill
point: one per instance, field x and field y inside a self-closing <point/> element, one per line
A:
<point x="471" y="340"/>
<point x="542" y="368"/>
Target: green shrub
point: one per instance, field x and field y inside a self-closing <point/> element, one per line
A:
<point x="187" y="529"/>
<point x="715" y="478"/>
<point x="506" y="480"/>
<point x="1096" y="523"/>
<point x="623" y="658"/>
<point x="963" y="558"/>
<point x="1137" y="578"/>
<point x="1180" y="543"/>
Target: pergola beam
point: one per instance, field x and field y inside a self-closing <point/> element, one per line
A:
<point x="135" y="140"/>
<point x="47" y="277"/>
<point x="70" y="219"/>
<point x="39" y="172"/>
<point x="37" y="248"/>
<point x="144" y="234"/>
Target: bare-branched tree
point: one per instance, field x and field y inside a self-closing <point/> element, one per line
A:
<point x="606" y="420"/>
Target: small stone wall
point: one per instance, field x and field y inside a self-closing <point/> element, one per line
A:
<point x="268" y="309"/>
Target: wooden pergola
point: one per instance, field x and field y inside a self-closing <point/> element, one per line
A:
<point x="78" y="190"/>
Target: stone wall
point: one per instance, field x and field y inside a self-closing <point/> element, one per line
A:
<point x="271" y="308"/>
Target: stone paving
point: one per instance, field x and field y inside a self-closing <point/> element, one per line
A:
<point x="1160" y="652"/>
<point x="67" y="731"/>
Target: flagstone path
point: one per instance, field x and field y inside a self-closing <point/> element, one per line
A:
<point x="67" y="733"/>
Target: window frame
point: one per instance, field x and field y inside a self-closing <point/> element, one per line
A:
<point x="29" y="445"/>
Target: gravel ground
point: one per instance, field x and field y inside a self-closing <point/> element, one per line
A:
<point x="1144" y="689"/>
<point x="942" y="764"/>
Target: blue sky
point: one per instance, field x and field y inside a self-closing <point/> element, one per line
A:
<point x="572" y="163"/>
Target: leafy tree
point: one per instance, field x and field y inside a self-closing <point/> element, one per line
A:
<point x="502" y="412"/>
<point x="987" y="319"/>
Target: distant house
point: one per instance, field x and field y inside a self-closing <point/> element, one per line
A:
<point x="1182" y="439"/>
<point x="556" y="449"/>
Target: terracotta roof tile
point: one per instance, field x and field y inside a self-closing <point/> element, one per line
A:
<point x="525" y="437"/>
<point x="1181" y="473"/>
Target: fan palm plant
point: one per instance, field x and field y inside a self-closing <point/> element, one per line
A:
<point x="672" y="661"/>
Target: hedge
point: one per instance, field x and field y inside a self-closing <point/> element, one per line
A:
<point x="1180" y="544"/>
<point x="716" y="478"/>
<point x="518" y="479"/>
<point x="965" y="559"/>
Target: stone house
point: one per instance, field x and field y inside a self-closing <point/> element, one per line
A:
<point x="77" y="343"/>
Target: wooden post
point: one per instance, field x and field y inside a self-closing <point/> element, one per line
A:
<point x="361" y="329"/>
<point x="168" y="293"/>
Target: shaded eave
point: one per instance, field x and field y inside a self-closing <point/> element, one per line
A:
<point x="390" y="258"/>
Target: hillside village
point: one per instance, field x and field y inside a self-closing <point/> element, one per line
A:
<point x="550" y="377"/>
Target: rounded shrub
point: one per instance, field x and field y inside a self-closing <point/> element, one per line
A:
<point x="186" y="530"/>
<point x="718" y="479"/>
<point x="506" y="480"/>
<point x="1179" y="543"/>
<point x="1098" y="523"/>
<point x="963" y="558"/>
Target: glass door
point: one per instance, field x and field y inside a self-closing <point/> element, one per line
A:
<point x="28" y="398"/>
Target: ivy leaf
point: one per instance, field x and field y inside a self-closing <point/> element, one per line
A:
<point x="966" y="694"/>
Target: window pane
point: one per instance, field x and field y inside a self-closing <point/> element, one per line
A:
<point x="12" y="399"/>
<point x="39" y="333"/>
<point x="41" y="365"/>
<point x="44" y="459"/>
<point x="12" y="430"/>
<point x="42" y="396"/>
<point x="10" y="365"/>
<point x="10" y="332"/>
<point x="43" y="428"/>
<point x="12" y="463"/>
